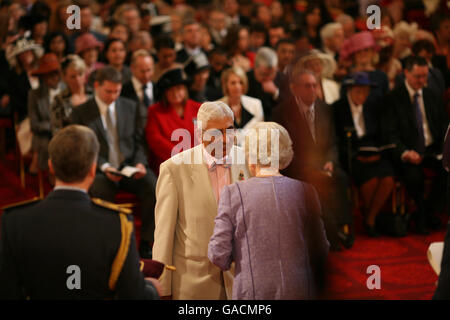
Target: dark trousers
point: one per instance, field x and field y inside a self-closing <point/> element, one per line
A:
<point x="414" y="178"/>
<point x="333" y="198"/>
<point x="143" y="188"/>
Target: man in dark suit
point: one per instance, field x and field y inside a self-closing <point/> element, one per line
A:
<point x="310" y="125"/>
<point x="68" y="246"/>
<point x="261" y="80"/>
<point x="140" y="87"/>
<point x="191" y="41"/>
<point x="115" y="120"/>
<point x="415" y="120"/>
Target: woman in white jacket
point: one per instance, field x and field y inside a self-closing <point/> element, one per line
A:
<point x="248" y="111"/>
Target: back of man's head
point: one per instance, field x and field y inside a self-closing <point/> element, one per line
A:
<point x="72" y="152"/>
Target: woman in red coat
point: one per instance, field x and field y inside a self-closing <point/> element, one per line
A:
<point x="174" y="110"/>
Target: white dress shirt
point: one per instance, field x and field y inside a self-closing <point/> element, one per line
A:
<point x="137" y="85"/>
<point x="426" y="129"/>
<point x="358" y="117"/>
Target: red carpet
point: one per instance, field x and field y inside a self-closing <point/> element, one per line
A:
<point x="405" y="272"/>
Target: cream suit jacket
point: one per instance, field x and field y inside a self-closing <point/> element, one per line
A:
<point x="184" y="216"/>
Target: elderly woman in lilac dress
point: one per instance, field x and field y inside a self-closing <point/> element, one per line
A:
<point x="270" y="225"/>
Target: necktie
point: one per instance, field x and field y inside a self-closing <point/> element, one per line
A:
<point x="419" y="119"/>
<point x="146" y="99"/>
<point x="310" y="118"/>
<point x="115" y="157"/>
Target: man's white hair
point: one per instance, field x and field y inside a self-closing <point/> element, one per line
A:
<point x="215" y="110"/>
<point x="266" y="57"/>
<point x="328" y="30"/>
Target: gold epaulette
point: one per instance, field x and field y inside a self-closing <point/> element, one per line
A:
<point x="21" y="203"/>
<point x="110" y="205"/>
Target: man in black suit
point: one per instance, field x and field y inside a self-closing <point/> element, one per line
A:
<point x="140" y="87"/>
<point x="115" y="120"/>
<point x="310" y="125"/>
<point x="261" y="80"/>
<point x="191" y="41"/>
<point x="415" y="120"/>
<point x="68" y="246"/>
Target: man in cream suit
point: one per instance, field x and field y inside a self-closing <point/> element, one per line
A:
<point x="187" y="193"/>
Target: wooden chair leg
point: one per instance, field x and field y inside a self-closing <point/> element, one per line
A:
<point x="394" y="199"/>
<point x="22" y="170"/>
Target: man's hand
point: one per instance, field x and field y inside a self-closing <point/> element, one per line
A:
<point x="142" y="171"/>
<point x="156" y="284"/>
<point x="4" y="101"/>
<point x="111" y="176"/>
<point x="412" y="157"/>
<point x="328" y="166"/>
<point x="269" y="87"/>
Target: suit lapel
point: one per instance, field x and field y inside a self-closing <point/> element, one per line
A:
<point x="200" y="177"/>
<point x="95" y="114"/>
<point x="409" y="107"/>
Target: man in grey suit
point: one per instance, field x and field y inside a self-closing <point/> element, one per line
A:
<point x="115" y="120"/>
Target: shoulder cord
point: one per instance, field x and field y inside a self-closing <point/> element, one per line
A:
<point x="126" y="228"/>
<point x="248" y="245"/>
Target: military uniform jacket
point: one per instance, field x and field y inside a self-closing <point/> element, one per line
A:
<point x="41" y="243"/>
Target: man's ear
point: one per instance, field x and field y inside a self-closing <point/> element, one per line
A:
<point x="50" y="167"/>
<point x="93" y="169"/>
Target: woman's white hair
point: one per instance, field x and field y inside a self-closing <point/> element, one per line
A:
<point x="215" y="110"/>
<point x="261" y="150"/>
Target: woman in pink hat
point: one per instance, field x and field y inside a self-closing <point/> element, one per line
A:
<point x="89" y="48"/>
<point x="360" y="53"/>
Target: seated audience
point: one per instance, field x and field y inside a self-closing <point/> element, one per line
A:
<point x="415" y="120"/>
<point x="39" y="102"/>
<point x="75" y="93"/>
<point x="247" y="110"/>
<point x="166" y="55"/>
<point x="371" y="171"/>
<point x="261" y="80"/>
<point x="332" y="35"/>
<point x="89" y="48"/>
<point x="323" y="66"/>
<point x="173" y="110"/>
<point x="140" y="88"/>
<point x="219" y="62"/>
<point x="115" y="121"/>
<point x="277" y="216"/>
<point x="197" y="68"/>
<point x="309" y="122"/>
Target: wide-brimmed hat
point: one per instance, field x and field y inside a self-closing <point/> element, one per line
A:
<point x="358" y="79"/>
<point x="87" y="41"/>
<point x="47" y="64"/>
<point x="20" y="46"/>
<point x="329" y="65"/>
<point x="169" y="79"/>
<point x="357" y="42"/>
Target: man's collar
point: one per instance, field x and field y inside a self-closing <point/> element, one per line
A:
<point x="212" y="161"/>
<point x="62" y="187"/>
<point x="102" y="105"/>
<point x="303" y="105"/>
<point x="411" y="91"/>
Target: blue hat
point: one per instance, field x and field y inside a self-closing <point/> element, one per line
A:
<point x="358" y="79"/>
